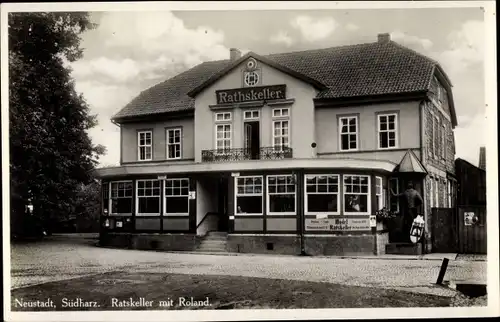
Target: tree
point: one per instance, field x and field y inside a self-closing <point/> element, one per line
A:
<point x="50" y="150"/>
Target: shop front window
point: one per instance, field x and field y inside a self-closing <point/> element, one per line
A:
<point x="356" y="194"/>
<point x="249" y="195"/>
<point x="148" y="197"/>
<point x="281" y="194"/>
<point x="177" y="197"/>
<point x="121" y="198"/>
<point x="322" y="194"/>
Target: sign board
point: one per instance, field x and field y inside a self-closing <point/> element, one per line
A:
<point x="373" y="221"/>
<point x="417" y="229"/>
<point x="162" y="177"/>
<point x="248" y="94"/>
<point x="119" y="224"/>
<point x="337" y="224"/>
<point x="235" y="174"/>
<point x="321" y="216"/>
<point x="469" y="218"/>
<point x="231" y="217"/>
<point x="192" y="195"/>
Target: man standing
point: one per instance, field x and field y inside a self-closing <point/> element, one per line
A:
<point x="413" y="200"/>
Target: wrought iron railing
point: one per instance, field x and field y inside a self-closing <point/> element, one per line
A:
<point x="240" y="154"/>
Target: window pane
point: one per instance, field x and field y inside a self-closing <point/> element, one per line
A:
<point x="149" y="205"/>
<point x="121" y="206"/>
<point x="356" y="203"/>
<point x="322" y="203"/>
<point x="282" y="203"/>
<point x="177" y="205"/>
<point x="249" y="204"/>
<point x="345" y="142"/>
<point x="383" y="140"/>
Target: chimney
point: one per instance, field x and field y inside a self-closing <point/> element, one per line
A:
<point x="234" y="54"/>
<point x="482" y="158"/>
<point x="384" y="38"/>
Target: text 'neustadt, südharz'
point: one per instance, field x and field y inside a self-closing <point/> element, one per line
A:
<point x="239" y="95"/>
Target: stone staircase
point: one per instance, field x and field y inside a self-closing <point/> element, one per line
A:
<point x="214" y="241"/>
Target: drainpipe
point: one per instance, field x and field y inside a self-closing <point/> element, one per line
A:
<point x="298" y="175"/>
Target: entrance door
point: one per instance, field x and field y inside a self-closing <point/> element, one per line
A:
<point x="223" y="187"/>
<point x="252" y="140"/>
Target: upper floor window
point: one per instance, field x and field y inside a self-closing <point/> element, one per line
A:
<point x="223" y="137"/>
<point x="348" y="133"/>
<point x="145" y="145"/>
<point x="435" y="137"/>
<point x="322" y="194"/>
<point x="387" y="131"/>
<point x="356" y="194"/>
<point x="251" y="115"/>
<point x="281" y="128"/>
<point x="174" y="143"/>
<point x="224" y="116"/>
<point x="443" y="142"/>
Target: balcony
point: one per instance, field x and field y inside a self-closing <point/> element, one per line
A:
<point x="241" y="154"/>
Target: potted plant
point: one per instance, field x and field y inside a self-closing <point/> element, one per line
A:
<point x="386" y="217"/>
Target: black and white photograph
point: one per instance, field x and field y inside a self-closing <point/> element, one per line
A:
<point x="249" y="160"/>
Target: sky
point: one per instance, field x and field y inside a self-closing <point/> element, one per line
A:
<point x="131" y="51"/>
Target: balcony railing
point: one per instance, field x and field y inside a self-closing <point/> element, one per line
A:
<point x="241" y="154"/>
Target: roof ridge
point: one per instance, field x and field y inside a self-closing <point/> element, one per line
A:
<point x="321" y="49"/>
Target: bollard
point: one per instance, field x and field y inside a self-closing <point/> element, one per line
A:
<point x="442" y="271"/>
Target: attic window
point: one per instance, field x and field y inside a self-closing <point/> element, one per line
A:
<point x="251" y="78"/>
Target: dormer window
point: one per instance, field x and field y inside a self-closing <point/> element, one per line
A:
<point x="251" y="78"/>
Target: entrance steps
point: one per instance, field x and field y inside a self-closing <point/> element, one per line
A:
<point x="214" y="241"/>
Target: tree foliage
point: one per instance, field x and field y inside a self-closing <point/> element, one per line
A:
<point x="51" y="153"/>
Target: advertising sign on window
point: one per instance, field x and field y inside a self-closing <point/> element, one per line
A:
<point x="337" y="224"/>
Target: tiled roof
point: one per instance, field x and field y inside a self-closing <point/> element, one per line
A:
<point x="348" y="71"/>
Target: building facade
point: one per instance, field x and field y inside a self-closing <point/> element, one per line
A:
<point x="288" y="153"/>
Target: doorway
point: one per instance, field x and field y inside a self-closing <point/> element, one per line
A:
<point x="222" y="204"/>
<point x="252" y="140"/>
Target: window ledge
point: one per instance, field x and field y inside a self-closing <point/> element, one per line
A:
<point x="281" y="213"/>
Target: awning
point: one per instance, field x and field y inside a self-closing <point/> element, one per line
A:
<point x="410" y="164"/>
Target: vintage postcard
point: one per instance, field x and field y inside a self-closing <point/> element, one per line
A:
<point x="211" y="161"/>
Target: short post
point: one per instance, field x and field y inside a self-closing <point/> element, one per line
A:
<point x="442" y="271"/>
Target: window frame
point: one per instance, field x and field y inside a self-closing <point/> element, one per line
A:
<point x="368" y="194"/>
<point x="348" y="117"/>
<point x="174" y="144"/>
<point x="137" y="197"/>
<point x="339" y="194"/>
<point x="224" y="122"/>
<point x="165" y="197"/>
<point x="280" y="119"/>
<point x="396" y="192"/>
<point x="381" y="194"/>
<point x="435" y="136"/>
<point x="110" y="198"/>
<point x="396" y="130"/>
<point x="145" y="146"/>
<point x="256" y="77"/>
<point x="236" y="195"/>
<point x="251" y="118"/>
<point x="268" y="197"/>
<point x="443" y="141"/>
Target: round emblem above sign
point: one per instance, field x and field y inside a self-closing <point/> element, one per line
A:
<point x="251" y="64"/>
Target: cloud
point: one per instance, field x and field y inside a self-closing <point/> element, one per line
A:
<point x="352" y="27"/>
<point x="282" y="38"/>
<point x="411" y="41"/>
<point x="314" y="29"/>
<point x="466" y="47"/>
<point x="130" y="51"/>
<point x="470" y="134"/>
